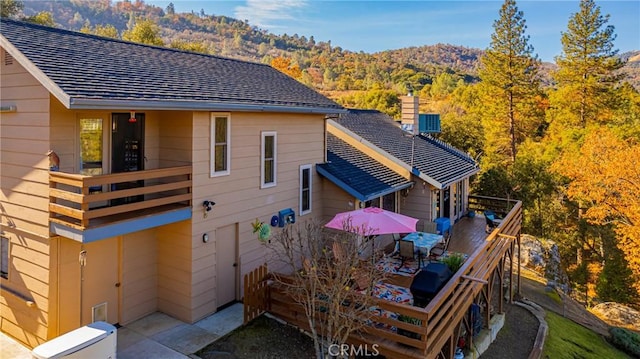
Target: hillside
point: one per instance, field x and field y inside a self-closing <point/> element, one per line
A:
<point x="324" y="67"/>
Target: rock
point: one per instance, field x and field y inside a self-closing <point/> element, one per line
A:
<point x="618" y="314"/>
<point x="543" y="257"/>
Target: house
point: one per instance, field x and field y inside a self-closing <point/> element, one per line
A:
<point x="372" y="161"/>
<point x="165" y="159"/>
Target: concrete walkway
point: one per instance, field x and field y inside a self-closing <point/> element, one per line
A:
<point x="156" y="336"/>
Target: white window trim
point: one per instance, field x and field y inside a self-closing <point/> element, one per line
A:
<point x="302" y="169"/>
<point x="275" y="159"/>
<point x="212" y="149"/>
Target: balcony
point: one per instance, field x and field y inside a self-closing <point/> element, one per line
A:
<point x="90" y="208"/>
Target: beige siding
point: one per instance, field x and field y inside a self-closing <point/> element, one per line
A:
<point x="174" y="134"/>
<point x="335" y="200"/>
<point x="24" y="183"/>
<point x="24" y="140"/>
<point x="29" y="266"/>
<point x="174" y="270"/>
<point x="238" y="197"/>
<point x="418" y="203"/>
<point x="139" y="275"/>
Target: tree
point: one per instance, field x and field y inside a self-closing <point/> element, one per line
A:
<point x="284" y="65"/>
<point x="101" y="30"/>
<point x="585" y="75"/>
<point x="144" y="32"/>
<point x="605" y="176"/>
<point x="10" y="8"/>
<point x="189" y="46"/>
<point x="320" y="270"/>
<point x="509" y="74"/>
<point x="42" y="18"/>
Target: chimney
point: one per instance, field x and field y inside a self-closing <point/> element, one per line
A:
<point x="410" y="112"/>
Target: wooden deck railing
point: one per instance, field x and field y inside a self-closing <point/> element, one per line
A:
<point x="78" y="201"/>
<point x="440" y="320"/>
<point x="500" y="206"/>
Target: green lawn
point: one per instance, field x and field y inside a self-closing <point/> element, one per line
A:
<point x="569" y="340"/>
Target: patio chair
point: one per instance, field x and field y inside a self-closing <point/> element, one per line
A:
<point x="392" y="248"/>
<point x="407" y="250"/>
<point x="430" y="227"/>
<point x="489" y="217"/>
<point x="439" y="249"/>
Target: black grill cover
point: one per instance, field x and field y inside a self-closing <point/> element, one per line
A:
<point x="428" y="282"/>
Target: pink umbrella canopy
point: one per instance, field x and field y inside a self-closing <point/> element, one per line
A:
<point x="373" y="220"/>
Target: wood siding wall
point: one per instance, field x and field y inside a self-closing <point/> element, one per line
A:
<point x="418" y="203"/>
<point x="238" y="196"/>
<point x="174" y="270"/>
<point x="335" y="200"/>
<point x="24" y="187"/>
<point x="139" y="275"/>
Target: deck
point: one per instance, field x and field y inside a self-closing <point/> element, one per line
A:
<point x="480" y="281"/>
<point x="468" y="235"/>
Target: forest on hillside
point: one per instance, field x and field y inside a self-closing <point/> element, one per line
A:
<point x="564" y="138"/>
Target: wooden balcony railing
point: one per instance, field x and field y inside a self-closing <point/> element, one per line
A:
<point x="440" y="321"/>
<point x="81" y="201"/>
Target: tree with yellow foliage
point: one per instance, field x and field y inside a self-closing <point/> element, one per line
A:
<point x="606" y="176"/>
<point x="144" y="32"/>
<point x="284" y="65"/>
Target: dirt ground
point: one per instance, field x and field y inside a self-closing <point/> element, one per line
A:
<point x="263" y="338"/>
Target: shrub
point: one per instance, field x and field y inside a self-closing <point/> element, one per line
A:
<point x="454" y="261"/>
<point x="625" y="340"/>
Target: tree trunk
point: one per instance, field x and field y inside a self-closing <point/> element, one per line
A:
<point x="512" y="128"/>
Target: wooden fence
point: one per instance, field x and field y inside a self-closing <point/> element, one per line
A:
<point x="256" y="293"/>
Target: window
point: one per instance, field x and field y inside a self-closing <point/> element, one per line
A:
<point x="91" y="146"/>
<point x="4" y="257"/>
<point x="268" y="160"/>
<point x="220" y="141"/>
<point x="389" y="202"/>
<point x="305" y="189"/>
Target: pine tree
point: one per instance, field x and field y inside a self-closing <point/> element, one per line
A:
<point x="585" y="78"/>
<point x="510" y="86"/>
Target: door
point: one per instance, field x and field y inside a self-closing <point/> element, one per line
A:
<point x="446" y="202"/>
<point x="127" y="151"/>
<point x="226" y="264"/>
<point x="100" y="281"/>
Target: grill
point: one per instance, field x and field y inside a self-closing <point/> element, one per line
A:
<point x="428" y="282"/>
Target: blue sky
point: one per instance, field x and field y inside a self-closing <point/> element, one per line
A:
<point x="373" y="26"/>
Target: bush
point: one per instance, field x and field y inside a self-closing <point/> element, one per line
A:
<point x="625" y="340"/>
<point x="454" y="261"/>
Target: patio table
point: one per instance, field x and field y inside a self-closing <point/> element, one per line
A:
<point x="423" y="241"/>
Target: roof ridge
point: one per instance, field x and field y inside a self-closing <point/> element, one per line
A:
<point x="105" y="38"/>
<point x="447" y="147"/>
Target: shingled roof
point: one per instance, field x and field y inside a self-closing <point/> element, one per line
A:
<point x="426" y="157"/>
<point x="87" y="71"/>
<point x="358" y="174"/>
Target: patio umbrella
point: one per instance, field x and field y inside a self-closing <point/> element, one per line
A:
<point x="372" y="221"/>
